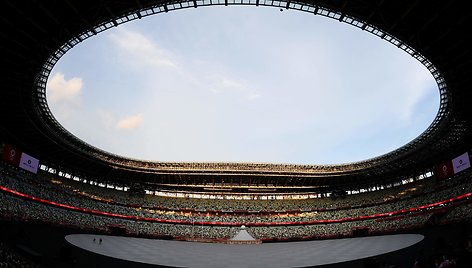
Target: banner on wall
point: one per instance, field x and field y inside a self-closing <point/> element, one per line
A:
<point x="460" y="163"/>
<point x="29" y="163"/>
<point x="11" y="155"/>
<point x="444" y="170"/>
<point x="451" y="167"/>
<point x="17" y="158"/>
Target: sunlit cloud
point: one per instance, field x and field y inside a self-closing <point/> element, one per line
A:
<point x="61" y="90"/>
<point x="130" y="122"/>
<point x="64" y="96"/>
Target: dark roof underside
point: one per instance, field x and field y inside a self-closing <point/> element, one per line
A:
<point x="32" y="31"/>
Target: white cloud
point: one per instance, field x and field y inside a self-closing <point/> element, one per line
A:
<point x="105" y="118"/>
<point x="222" y="83"/>
<point x="141" y="50"/>
<point x="64" y="96"/>
<point x="420" y="87"/>
<point x="253" y="96"/>
<point x="61" y="90"/>
<point x="131" y="122"/>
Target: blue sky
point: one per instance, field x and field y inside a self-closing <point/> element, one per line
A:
<point x="242" y="84"/>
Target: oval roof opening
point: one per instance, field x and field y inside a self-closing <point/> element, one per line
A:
<point x="242" y="84"/>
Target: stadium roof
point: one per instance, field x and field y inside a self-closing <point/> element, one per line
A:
<point x="35" y="34"/>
